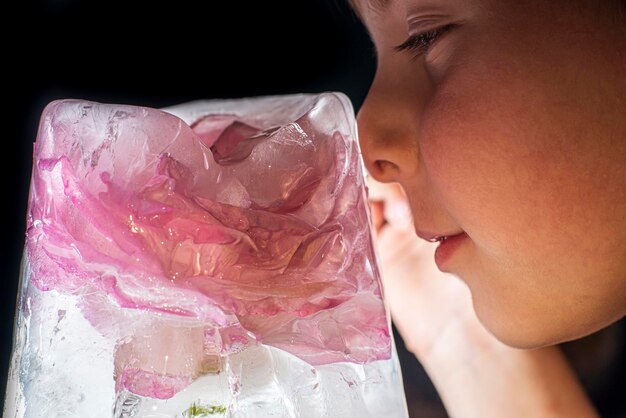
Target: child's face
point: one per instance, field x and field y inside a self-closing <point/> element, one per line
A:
<point x="510" y="128"/>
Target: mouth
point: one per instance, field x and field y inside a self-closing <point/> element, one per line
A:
<point x="430" y="237"/>
<point x="448" y="245"/>
<point x="442" y="238"/>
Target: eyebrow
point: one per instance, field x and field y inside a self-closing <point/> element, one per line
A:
<point x="378" y="6"/>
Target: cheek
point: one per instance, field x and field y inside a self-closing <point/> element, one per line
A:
<point x="498" y="151"/>
<point x="516" y="179"/>
<point x="481" y="167"/>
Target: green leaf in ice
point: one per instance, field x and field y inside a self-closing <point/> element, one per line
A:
<point x="200" y="411"/>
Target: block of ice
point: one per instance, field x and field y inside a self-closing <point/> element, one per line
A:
<point x="214" y="256"/>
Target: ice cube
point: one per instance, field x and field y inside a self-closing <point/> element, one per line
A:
<point x="189" y="239"/>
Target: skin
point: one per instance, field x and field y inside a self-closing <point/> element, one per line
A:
<point x="511" y="129"/>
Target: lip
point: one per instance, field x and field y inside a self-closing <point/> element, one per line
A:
<point x="432" y="237"/>
<point x="447" y="248"/>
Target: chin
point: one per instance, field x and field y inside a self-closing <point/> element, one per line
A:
<point x="524" y="342"/>
<point x="522" y="322"/>
<point x="537" y="334"/>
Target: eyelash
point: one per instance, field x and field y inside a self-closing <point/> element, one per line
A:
<point x="420" y="43"/>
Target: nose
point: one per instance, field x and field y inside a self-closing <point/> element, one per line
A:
<point x="388" y="123"/>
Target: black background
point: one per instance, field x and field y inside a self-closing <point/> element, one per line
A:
<point x="153" y="54"/>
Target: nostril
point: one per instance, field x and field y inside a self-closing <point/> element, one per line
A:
<point x="385" y="166"/>
<point x="384" y="170"/>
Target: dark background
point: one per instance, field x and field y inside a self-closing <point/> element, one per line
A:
<point x="153" y="54"/>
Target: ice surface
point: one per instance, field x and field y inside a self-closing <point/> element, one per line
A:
<point x="214" y="257"/>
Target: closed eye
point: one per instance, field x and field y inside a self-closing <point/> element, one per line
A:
<point x="420" y="43"/>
